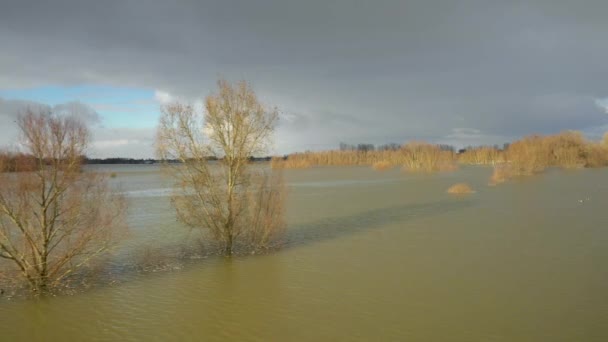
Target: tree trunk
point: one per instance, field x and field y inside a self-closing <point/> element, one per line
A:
<point x="229" y="242"/>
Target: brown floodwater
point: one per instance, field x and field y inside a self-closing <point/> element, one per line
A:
<point x="368" y="256"/>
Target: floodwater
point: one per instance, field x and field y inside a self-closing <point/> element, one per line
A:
<point x="369" y="256"/>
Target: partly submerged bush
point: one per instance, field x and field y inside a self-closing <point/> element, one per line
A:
<point x="382" y="165"/>
<point x="500" y="174"/>
<point x="604" y="142"/>
<point x="265" y="209"/>
<point x="597" y="155"/>
<point x="533" y="154"/>
<point x="528" y="156"/>
<point x="566" y="149"/>
<point x="460" y="189"/>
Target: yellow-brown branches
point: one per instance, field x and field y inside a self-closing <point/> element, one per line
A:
<point x="217" y="196"/>
<point x="423" y="157"/>
<point x="533" y="154"/>
<point x="289" y="163"/>
<point x="483" y="155"/>
<point x="53" y="217"/>
<point x="418" y="157"/>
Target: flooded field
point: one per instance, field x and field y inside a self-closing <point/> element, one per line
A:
<point x="369" y="256"/>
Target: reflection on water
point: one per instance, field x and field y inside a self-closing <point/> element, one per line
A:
<point x="368" y="256"/>
<point x="334" y="228"/>
<point x="160" y="192"/>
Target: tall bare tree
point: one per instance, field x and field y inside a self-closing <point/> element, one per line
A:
<point x="54" y="218"/>
<point x="219" y="196"/>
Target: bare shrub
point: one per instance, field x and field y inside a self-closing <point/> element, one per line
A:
<point x="382" y="165"/>
<point x="483" y="155"/>
<point x="604" y="142"/>
<point x="265" y="211"/>
<point x="528" y="156"/>
<point x="424" y="157"/>
<point x="534" y="154"/>
<point x="596" y="155"/>
<point x="55" y="219"/>
<point x="567" y="149"/>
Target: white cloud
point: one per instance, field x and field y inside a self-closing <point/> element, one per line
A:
<point x="603" y="104"/>
<point x="102" y="144"/>
<point x="466" y="136"/>
<point x="122" y="142"/>
<point x="465" y="133"/>
<point x="163" y="97"/>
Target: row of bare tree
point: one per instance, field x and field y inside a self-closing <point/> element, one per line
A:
<point x="528" y="155"/>
<point x="56" y="218"/>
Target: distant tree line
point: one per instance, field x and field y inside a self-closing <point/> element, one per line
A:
<point x="119" y="161"/>
<point x="384" y="147"/>
<point x="27" y="162"/>
<point x="413" y="156"/>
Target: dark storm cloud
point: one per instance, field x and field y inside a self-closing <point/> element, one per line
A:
<point x="373" y="71"/>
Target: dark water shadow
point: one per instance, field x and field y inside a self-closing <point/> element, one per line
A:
<point x="336" y="227"/>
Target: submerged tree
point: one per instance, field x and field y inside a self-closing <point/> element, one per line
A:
<point x="233" y="200"/>
<point x="54" y="218"/>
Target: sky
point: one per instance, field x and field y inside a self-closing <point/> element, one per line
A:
<point x="458" y="72"/>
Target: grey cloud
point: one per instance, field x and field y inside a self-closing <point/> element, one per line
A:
<point x="79" y="110"/>
<point x="387" y="70"/>
<point x="123" y="142"/>
<point x="9" y="112"/>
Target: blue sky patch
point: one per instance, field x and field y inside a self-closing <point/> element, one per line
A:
<point x="117" y="106"/>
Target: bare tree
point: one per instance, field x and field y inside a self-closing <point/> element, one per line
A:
<point x="54" y="218"/>
<point x="218" y="196"/>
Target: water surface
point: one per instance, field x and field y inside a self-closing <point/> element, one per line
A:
<point x="369" y="256"/>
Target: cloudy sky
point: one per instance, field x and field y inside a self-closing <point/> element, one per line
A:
<point x="459" y="72"/>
